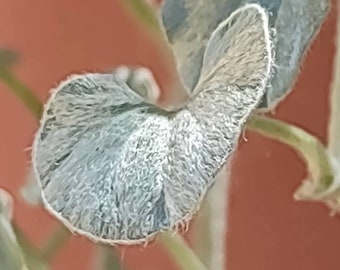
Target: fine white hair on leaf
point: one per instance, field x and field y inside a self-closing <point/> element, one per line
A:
<point x="296" y="23"/>
<point x="116" y="168"/>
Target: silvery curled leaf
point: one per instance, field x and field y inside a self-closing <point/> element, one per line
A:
<point x="11" y="257"/>
<point x="189" y="23"/>
<point x="115" y="167"/>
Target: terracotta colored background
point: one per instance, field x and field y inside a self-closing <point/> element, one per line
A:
<point x="268" y="229"/>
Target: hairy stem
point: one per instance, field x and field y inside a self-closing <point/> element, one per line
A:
<point x="201" y="233"/>
<point x="54" y="243"/>
<point x="144" y="12"/>
<point x="308" y="146"/>
<point x="334" y="125"/>
<point x="106" y="259"/>
<point x="217" y="205"/>
<point x="181" y="252"/>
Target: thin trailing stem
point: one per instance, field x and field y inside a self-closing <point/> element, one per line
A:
<point x="334" y="125"/>
<point x="53" y="244"/>
<point x="201" y="233"/>
<point x="181" y="252"/>
<point x="106" y="259"/>
<point x="25" y="94"/>
<point x="144" y="12"/>
<point x="218" y="206"/>
<point x="333" y="198"/>
<point x="308" y="146"/>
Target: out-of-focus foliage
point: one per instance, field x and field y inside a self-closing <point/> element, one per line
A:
<point x="7" y="58"/>
<point x="144" y="13"/>
<point x="25" y="95"/>
<point x="11" y="257"/>
<point x="30" y="191"/>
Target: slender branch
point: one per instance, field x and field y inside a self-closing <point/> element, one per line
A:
<point x="24" y="243"/>
<point x="333" y="198"/>
<point x="181" y="252"/>
<point x="144" y="13"/>
<point x="53" y="244"/>
<point x="218" y="206"/>
<point x="106" y="259"/>
<point x="26" y="95"/>
<point x="201" y="233"/>
<point x="308" y="146"/>
<point x="21" y="91"/>
<point x="334" y="126"/>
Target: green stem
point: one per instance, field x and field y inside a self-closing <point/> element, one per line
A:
<point x="210" y="225"/>
<point x="107" y="259"/>
<point x="334" y="121"/>
<point x="60" y="236"/>
<point x="181" y="252"/>
<point x="308" y="146"/>
<point x="24" y="243"/>
<point x="53" y="244"/>
<point x="144" y="13"/>
<point x="201" y="238"/>
<point x="218" y="220"/>
<point x="21" y="91"/>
